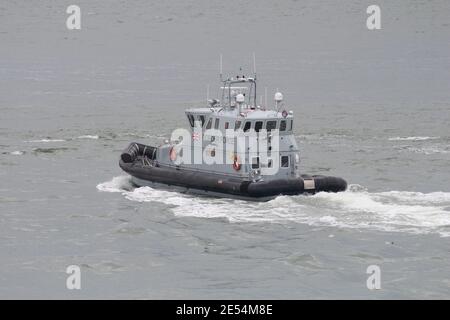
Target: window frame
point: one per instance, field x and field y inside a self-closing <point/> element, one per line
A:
<point x="191" y="120"/>
<point x="250" y="122"/>
<point x="202" y="119"/>
<point x="281" y="161"/>
<point x="274" y="128"/>
<point x="262" y="125"/>
<point x="209" y="123"/>
<point x="257" y="163"/>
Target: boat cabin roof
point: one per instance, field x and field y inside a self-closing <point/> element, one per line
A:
<point x="239" y="103"/>
<point x="247" y="113"/>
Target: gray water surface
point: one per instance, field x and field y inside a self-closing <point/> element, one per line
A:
<point x="370" y="106"/>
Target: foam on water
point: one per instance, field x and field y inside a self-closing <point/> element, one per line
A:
<point x="47" y="140"/>
<point x="429" y="150"/>
<point x="117" y="184"/>
<point x="17" y="153"/>
<point x="88" y="136"/>
<point x="420" y="138"/>
<point x="401" y="211"/>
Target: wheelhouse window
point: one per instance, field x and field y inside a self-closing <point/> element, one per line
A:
<point x="291" y="125"/>
<point x="237" y="125"/>
<point x="284" y="161"/>
<point x="271" y="125"/>
<point x="247" y="126"/>
<point x="255" y="162"/>
<point x="209" y="124"/>
<point x="191" y="120"/>
<point x="227" y="124"/>
<point x="258" y="126"/>
<point x="283" y="125"/>
<point x="202" y="119"/>
<point x="216" y="123"/>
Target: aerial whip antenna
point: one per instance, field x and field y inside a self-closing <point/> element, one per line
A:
<point x="265" y="97"/>
<point x="220" y="67"/>
<point x="254" y="65"/>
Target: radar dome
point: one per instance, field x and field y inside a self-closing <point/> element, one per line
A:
<point x="278" y="97"/>
<point x="240" y="98"/>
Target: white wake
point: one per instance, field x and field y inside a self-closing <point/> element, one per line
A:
<point x="356" y="208"/>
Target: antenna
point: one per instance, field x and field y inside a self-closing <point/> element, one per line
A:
<point x="220" y="67"/>
<point x="254" y="65"/>
<point x="265" y="97"/>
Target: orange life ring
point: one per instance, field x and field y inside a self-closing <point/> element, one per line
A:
<point x="236" y="164"/>
<point x="173" y="154"/>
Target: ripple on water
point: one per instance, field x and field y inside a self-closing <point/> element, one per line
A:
<point x="51" y="150"/>
<point x="307" y="261"/>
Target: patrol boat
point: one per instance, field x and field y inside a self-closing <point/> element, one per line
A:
<point x="233" y="147"/>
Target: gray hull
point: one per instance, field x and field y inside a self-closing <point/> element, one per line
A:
<point x="150" y="173"/>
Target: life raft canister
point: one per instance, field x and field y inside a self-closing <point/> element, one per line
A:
<point x="236" y="163"/>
